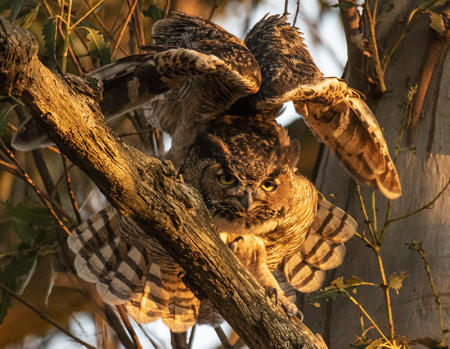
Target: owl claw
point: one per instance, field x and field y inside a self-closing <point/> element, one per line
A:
<point x="272" y="292"/>
<point x="233" y="244"/>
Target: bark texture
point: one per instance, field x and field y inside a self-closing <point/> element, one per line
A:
<point x="423" y="173"/>
<point x="147" y="190"/>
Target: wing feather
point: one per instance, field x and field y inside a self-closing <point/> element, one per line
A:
<point x="335" y="113"/>
<point x="145" y="280"/>
<point x="323" y="248"/>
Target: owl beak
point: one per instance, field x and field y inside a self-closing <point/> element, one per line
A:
<point x="247" y="200"/>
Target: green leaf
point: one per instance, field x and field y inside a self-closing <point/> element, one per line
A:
<point x="4" y="118"/>
<point x="49" y="33"/>
<point x="153" y="12"/>
<point x="97" y="46"/>
<point x="16" y="275"/>
<point x="32" y="223"/>
<point x="30" y="18"/>
<point x="396" y="280"/>
<point x="437" y="22"/>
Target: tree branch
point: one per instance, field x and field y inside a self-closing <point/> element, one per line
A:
<point x="148" y="191"/>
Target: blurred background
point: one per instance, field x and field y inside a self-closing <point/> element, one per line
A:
<point x="30" y="253"/>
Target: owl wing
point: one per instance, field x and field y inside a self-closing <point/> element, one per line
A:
<point x="194" y="71"/>
<point x="144" y="280"/>
<point x="323" y="248"/>
<point x="333" y="111"/>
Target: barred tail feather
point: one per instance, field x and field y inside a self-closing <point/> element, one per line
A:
<point x="146" y="281"/>
<point x="323" y="248"/>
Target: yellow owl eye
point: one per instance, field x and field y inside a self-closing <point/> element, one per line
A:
<point x="226" y="179"/>
<point x="268" y="186"/>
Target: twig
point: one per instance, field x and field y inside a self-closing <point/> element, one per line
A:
<point x="361" y="308"/>
<point x="297" y="10"/>
<point x="424" y="207"/>
<point x="374" y="212"/>
<point x="191" y="337"/>
<point x="86" y="15"/>
<point x="67" y="38"/>
<point x="222" y="337"/>
<point x="137" y="24"/>
<point x="104" y="29"/>
<point x="417" y="246"/>
<point x="43" y="316"/>
<point x="286" y="7"/>
<point x="126" y="321"/>
<point x="373" y="42"/>
<point x="38" y="192"/>
<point x="73" y="56"/>
<point x="436" y="47"/>
<point x="387" y="295"/>
<point x="137" y="133"/>
<point x="124" y="27"/>
<point x="213" y="9"/>
<point x="69" y="189"/>
<point x="150" y="339"/>
<point x="366" y="216"/>
<point x="167" y="9"/>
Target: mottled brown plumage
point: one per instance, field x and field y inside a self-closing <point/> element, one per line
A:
<point x="222" y="97"/>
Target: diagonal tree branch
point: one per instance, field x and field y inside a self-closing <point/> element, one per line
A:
<point x="147" y="190"/>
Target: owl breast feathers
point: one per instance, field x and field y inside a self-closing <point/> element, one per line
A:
<point x="218" y="97"/>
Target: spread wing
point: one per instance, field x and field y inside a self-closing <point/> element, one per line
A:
<point x="334" y="112"/>
<point x="144" y="280"/>
<point x="323" y="248"/>
<point x="194" y="71"/>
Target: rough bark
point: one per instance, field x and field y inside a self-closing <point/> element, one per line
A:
<point x="148" y="191"/>
<point x="423" y="173"/>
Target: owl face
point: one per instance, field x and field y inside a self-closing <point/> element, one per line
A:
<point x="244" y="172"/>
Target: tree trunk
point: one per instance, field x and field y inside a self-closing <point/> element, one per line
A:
<point x="423" y="172"/>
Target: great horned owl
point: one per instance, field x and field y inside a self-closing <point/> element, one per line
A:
<point x="219" y="101"/>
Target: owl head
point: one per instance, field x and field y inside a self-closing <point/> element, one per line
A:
<point x="244" y="169"/>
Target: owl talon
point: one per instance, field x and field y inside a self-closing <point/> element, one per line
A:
<point x="233" y="244"/>
<point x="272" y="292"/>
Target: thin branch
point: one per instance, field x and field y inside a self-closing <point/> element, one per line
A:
<point x="167" y="9"/>
<point x="222" y="337"/>
<point x="150" y="339"/>
<point x="286" y="8"/>
<point x="213" y="9"/>
<point x="69" y="189"/>
<point x="424" y="207"/>
<point x="361" y="308"/>
<point x="73" y="56"/>
<point x="387" y="295"/>
<point x="417" y="246"/>
<point x="86" y="15"/>
<point x="38" y="192"/>
<point x="124" y="27"/>
<point x="191" y="337"/>
<point x="373" y="43"/>
<point x="124" y="316"/>
<point x="366" y="216"/>
<point x="104" y="29"/>
<point x="297" y="11"/>
<point x="44" y="317"/>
